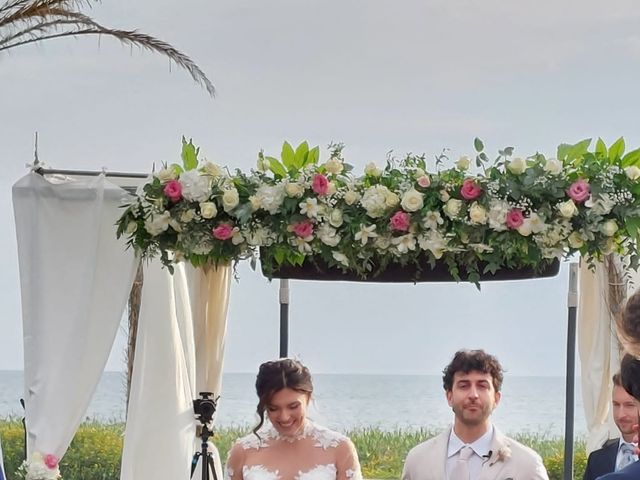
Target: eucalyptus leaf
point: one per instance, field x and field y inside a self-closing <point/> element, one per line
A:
<point x="478" y="145"/>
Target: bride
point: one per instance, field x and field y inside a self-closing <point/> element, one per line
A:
<point x="290" y="446"/>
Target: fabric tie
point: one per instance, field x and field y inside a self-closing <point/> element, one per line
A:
<point x="628" y="455"/>
<point x="461" y="469"/>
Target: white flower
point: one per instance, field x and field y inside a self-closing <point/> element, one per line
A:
<point x="463" y="163"/>
<point x="432" y="219"/>
<point x="517" y="166"/>
<point x="237" y="238"/>
<point x="166" y="174"/>
<point x="302" y="244"/>
<point x="309" y="207"/>
<point x="195" y="187"/>
<point x="212" y="169"/>
<point x="576" y="240"/>
<point x="609" y="246"/>
<point x="328" y="235"/>
<point x="433" y="242"/>
<point x="632" y="172"/>
<point x="602" y="205"/>
<point x="331" y="188"/>
<point x="498" y="210"/>
<point x="374" y="200"/>
<point x="609" y="228"/>
<point x="157" y="223"/>
<point x="478" y="214"/>
<point x="230" y="199"/>
<point x="452" y="207"/>
<point x="341" y="257"/>
<point x="553" y="166"/>
<point x="372" y="170"/>
<point x="188" y="215"/>
<point x="334" y="166"/>
<point x="532" y="224"/>
<point x="294" y="190"/>
<point x="567" y="209"/>
<point x="404" y="243"/>
<point x="412" y="201"/>
<point x="271" y="197"/>
<point x="262" y="164"/>
<point x="382" y="242"/>
<point x="351" y="197"/>
<point x="444" y="195"/>
<point x="260" y="237"/>
<point x="365" y="234"/>
<point x="173" y="223"/>
<point x="131" y="227"/>
<point x="391" y="199"/>
<point x="255" y="203"/>
<point x="335" y="217"/>
<point x="208" y="210"/>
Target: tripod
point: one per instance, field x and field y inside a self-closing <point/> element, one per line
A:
<point x="205" y="455"/>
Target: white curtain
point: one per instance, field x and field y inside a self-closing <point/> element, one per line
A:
<point x="75" y="278"/>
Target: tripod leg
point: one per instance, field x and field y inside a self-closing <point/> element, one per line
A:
<point x="194" y="463"/>
<point x="213" y="467"/>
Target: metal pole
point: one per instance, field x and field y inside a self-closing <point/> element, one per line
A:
<point x="284" y="317"/>
<point x="572" y="304"/>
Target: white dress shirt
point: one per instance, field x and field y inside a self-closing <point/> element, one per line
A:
<point x="481" y="448"/>
<point x="619" y="455"/>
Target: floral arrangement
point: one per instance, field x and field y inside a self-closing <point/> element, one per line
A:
<point x="40" y="467"/>
<point x="506" y="213"/>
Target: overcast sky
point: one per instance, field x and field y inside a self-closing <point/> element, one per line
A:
<point x="416" y="75"/>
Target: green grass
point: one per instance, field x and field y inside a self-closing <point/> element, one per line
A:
<point x="96" y="450"/>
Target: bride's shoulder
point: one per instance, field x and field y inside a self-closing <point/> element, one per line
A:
<point x="325" y="437"/>
<point x="253" y="441"/>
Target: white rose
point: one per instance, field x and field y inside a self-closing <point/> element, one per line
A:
<point x="294" y="190"/>
<point x="271" y="197"/>
<point x="478" y="214"/>
<point x="166" y="174"/>
<point x="374" y="200"/>
<point x="382" y="243"/>
<point x="230" y="199"/>
<point x="208" y="209"/>
<point x="412" y="201"/>
<point x="331" y="188"/>
<point x="517" y="166"/>
<point x="609" y="228"/>
<point x="553" y="166"/>
<point x="372" y="170"/>
<point x="575" y="240"/>
<point x="334" y="166"/>
<point x="567" y="209"/>
<point x="609" y="246"/>
<point x="632" y="172"/>
<point x="335" y="218"/>
<point x="351" y="197"/>
<point x="255" y="203"/>
<point x="525" y="228"/>
<point x="188" y="215"/>
<point x="195" y="187"/>
<point x="444" y="196"/>
<point x="452" y="207"/>
<point x="341" y="257"/>
<point x="157" y="223"/>
<point x="463" y="163"/>
<point x="391" y="199"/>
<point x="212" y="169"/>
<point x="262" y="164"/>
<point x="131" y="228"/>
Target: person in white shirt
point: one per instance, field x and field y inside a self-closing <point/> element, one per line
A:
<point x="473" y="448"/>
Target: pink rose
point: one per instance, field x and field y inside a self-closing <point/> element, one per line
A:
<point x="515" y="218"/>
<point x="224" y="231"/>
<point x="579" y="190"/>
<point x="173" y="190"/>
<point x="424" y="181"/>
<point x="400" y="221"/>
<point x="470" y="190"/>
<point x="303" y="229"/>
<point x="320" y="184"/>
<point x="51" y="461"/>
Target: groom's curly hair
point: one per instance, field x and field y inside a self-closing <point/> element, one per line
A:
<point x="473" y="361"/>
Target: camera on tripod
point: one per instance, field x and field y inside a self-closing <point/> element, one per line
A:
<point x="205" y="407"/>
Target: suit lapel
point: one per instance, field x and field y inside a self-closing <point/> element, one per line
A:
<point x="439" y="455"/>
<point x="492" y="467"/>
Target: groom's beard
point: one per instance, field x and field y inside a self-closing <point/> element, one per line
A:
<point x="472" y="413"/>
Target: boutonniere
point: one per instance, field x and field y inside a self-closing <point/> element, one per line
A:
<point x="502" y="455"/>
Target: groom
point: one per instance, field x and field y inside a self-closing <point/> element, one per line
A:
<point x="473" y="449"/>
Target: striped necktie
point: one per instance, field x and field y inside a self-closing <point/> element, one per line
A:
<point x="628" y="456"/>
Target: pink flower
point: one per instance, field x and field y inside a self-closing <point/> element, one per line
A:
<point x="515" y="218"/>
<point x="424" y="181"/>
<point x="470" y="190"/>
<point x="320" y="184"/>
<point x="400" y="221"/>
<point x="173" y="190"/>
<point x="224" y="231"/>
<point x="51" y="461"/>
<point x="303" y="229"/>
<point x="579" y="190"/>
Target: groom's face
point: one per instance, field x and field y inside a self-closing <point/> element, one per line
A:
<point x="472" y="397"/>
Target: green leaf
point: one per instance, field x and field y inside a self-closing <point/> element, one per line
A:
<point x="288" y="156"/>
<point x="301" y="155"/>
<point x="478" y="145"/>
<point x="631" y="158"/>
<point x="617" y="149"/>
<point x="633" y="226"/>
<point x="577" y="151"/>
<point x="189" y="154"/>
<point x="313" y="156"/>
<point x="601" y="148"/>
<point x="276" y="167"/>
<point x="279" y="255"/>
<point x="563" y="151"/>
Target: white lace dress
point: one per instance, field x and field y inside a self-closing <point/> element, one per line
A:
<point x="316" y="453"/>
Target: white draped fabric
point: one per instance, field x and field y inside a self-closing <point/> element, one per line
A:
<point x="75" y="278"/>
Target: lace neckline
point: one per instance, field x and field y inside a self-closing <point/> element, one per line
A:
<point x="307" y="429"/>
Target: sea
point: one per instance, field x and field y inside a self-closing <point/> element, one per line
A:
<point x="352" y="401"/>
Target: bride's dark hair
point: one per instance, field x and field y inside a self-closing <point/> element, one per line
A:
<point x="278" y="374"/>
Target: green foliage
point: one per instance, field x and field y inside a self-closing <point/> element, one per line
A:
<point x="189" y="154"/>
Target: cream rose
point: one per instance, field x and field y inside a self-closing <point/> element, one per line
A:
<point x="452" y="207"/>
<point x="230" y="199"/>
<point x="212" y="169"/>
<point x="351" y="197"/>
<point x="567" y="209"/>
<point x="335" y="217"/>
<point x="188" y="215"/>
<point x="208" y="210"/>
<point x="609" y="228"/>
<point x="167" y="174"/>
<point x="575" y="240"/>
<point x="478" y="214"/>
<point x="334" y="166"/>
<point x="372" y="170"/>
<point x="391" y="199"/>
<point x="632" y="172"/>
<point x="294" y="190"/>
<point x="463" y="163"/>
<point x="553" y="166"/>
<point x="517" y="166"/>
<point x="412" y="201"/>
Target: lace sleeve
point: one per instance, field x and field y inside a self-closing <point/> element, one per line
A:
<point x="234" y="463"/>
<point x="347" y="464"/>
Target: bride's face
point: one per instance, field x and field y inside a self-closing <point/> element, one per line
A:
<point x="287" y="410"/>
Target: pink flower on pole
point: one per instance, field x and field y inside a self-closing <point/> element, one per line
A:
<point x="515" y="218"/>
<point x="400" y="221"/>
<point x="224" y="231"/>
<point x="303" y="229"/>
<point x="470" y="190"/>
<point x="173" y="190"/>
<point x="51" y="461"/>
<point x="320" y="184"/>
<point x="579" y="190"/>
<point x="424" y="181"/>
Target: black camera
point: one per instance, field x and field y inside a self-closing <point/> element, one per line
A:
<point x="205" y="407"/>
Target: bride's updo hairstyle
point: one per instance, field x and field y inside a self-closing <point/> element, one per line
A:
<point x="278" y="374"/>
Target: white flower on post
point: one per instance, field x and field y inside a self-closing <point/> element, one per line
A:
<point x="444" y="196"/>
<point x="532" y="224"/>
<point x="157" y="223"/>
<point x="166" y="174"/>
<point x="372" y="170"/>
<point x="336" y="218"/>
<point x="328" y="235"/>
<point x="633" y="172"/>
<point x="212" y="169"/>
<point x="230" y="199"/>
<point x="602" y="205"/>
<point x="477" y="214"/>
<point x="208" y="210"/>
<point x="553" y="166"/>
<point x="351" y="197"/>
<point x="452" y="207"/>
<point x="309" y="207"/>
<point x="412" y="201"/>
<point x="433" y="242"/>
<point x="609" y="228"/>
<point x="294" y="190"/>
<point x="404" y="243"/>
<point x="432" y="219"/>
<point x="195" y="187"/>
<point x="517" y="166"/>
<point x="382" y="242"/>
<point x="576" y="240"/>
<point x="188" y="215"/>
<point x="271" y="197"/>
<point x="131" y="227"/>
<point x="341" y="258"/>
<point x="334" y="166"/>
<point x="302" y="244"/>
<point x="463" y="163"/>
<point x="498" y="210"/>
<point x="374" y="200"/>
<point x="365" y="234"/>
<point x="567" y="209"/>
<point x="391" y="199"/>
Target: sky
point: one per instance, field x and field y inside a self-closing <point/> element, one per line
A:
<point x="409" y="76"/>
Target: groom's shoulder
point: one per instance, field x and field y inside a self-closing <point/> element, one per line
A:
<point x="522" y="452"/>
<point x="426" y="446"/>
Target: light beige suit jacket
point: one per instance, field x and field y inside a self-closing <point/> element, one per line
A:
<point x="509" y="460"/>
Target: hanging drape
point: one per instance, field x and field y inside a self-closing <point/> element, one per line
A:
<point x="74" y="277"/>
